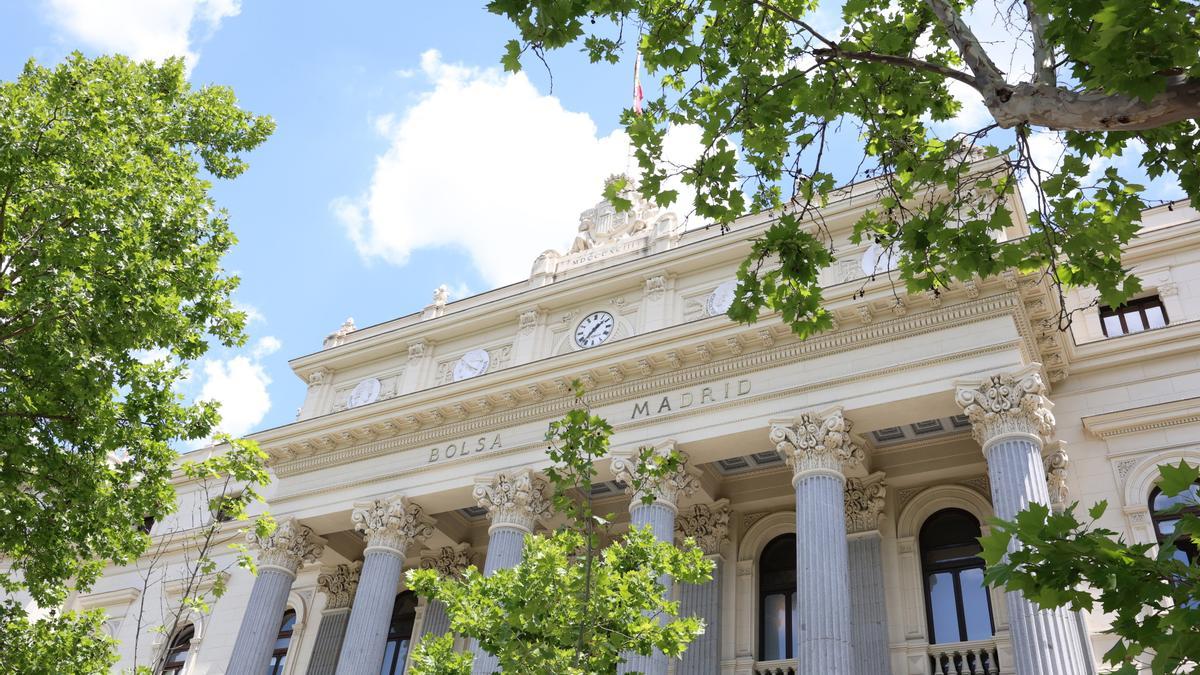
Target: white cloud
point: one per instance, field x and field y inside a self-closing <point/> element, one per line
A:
<point x="141" y="29"/>
<point x="266" y="346"/>
<point x="239" y="386"/>
<point x="485" y="162"/>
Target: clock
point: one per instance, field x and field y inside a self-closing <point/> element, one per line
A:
<point x="594" y="330"/>
<point x="879" y="259"/>
<point x="721" y="298"/>
<point x="363" y="393"/>
<point x="474" y="362"/>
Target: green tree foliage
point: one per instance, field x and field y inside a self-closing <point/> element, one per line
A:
<point x="571" y="607"/>
<point x="73" y="643"/>
<point x="769" y="89"/>
<point x="110" y="280"/>
<point x="1152" y="598"/>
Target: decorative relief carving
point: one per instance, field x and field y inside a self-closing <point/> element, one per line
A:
<point x="391" y="523"/>
<point x="317" y="377"/>
<point x="752" y="518"/>
<point x="449" y="561"/>
<point x="530" y="319"/>
<point x="338" y="337"/>
<point x="1124" y="467"/>
<point x="288" y="546"/>
<point x="416" y="350"/>
<point x="1056" y="478"/>
<point x="1007" y="404"/>
<point x="734" y="345"/>
<point x="339" y="584"/>
<point x="972" y="288"/>
<point x="864" y="500"/>
<point x="515" y="498"/>
<point x="665" y="490"/>
<point x="655" y="287"/>
<point x="981" y="484"/>
<point x="817" y="443"/>
<point x="707" y="525"/>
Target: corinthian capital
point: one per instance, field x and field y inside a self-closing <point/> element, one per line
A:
<point x="449" y="561"/>
<point x="514" y="498"/>
<point x="817" y="443"/>
<point x="1007" y="404"/>
<point x="391" y="523"/>
<point x="338" y="584"/>
<point x="288" y="546"/>
<point x="864" y="503"/>
<point x="664" y="490"/>
<point x="706" y="524"/>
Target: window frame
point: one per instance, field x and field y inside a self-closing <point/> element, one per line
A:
<point x="398" y="665"/>
<point x="178" y="645"/>
<point x="955" y="568"/>
<point x="278" y="661"/>
<point x="1138" y="307"/>
<point x="1157" y="517"/>
<point x="788" y="590"/>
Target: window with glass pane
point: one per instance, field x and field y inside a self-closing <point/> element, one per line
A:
<point x="177" y="652"/>
<point x="282" y="640"/>
<point x="1165" y="512"/>
<point x="957" y="603"/>
<point x="404" y="614"/>
<point x="1134" y="316"/>
<point x="777" y="599"/>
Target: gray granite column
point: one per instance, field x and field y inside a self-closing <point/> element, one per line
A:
<point x="868" y="605"/>
<point x="338" y="584"/>
<point x="706" y="526"/>
<point x="448" y="562"/>
<point x="1010" y="417"/>
<point x="390" y="526"/>
<point x="280" y="555"/>
<point x="659" y="516"/>
<point x="818" y="447"/>
<point x="515" y="502"/>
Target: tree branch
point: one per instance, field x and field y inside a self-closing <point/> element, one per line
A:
<point x="988" y="77"/>
<point x="896" y="60"/>
<point x="1058" y="108"/>
<point x="1043" y="53"/>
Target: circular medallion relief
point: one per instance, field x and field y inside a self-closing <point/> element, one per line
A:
<point x="720" y="300"/>
<point x="474" y="362"/>
<point x="878" y="259"/>
<point x="594" y="329"/>
<point x="363" y="393"/>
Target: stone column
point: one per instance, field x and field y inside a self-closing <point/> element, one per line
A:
<point x="390" y="526"/>
<point x="1010" y="417"/>
<point x="659" y="515"/>
<point x="515" y="502"/>
<point x="818" y="447"/>
<point x="338" y="584"/>
<point x="280" y="555"/>
<point x="868" y="605"/>
<point x="708" y="526"/>
<point x="449" y="562"/>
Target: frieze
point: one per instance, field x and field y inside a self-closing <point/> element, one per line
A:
<point x="696" y="396"/>
<point x="465" y="447"/>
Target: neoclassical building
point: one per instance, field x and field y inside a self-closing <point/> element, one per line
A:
<point x="839" y="483"/>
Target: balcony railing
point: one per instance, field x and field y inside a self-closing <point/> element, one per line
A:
<point x="781" y="667"/>
<point x="964" y="658"/>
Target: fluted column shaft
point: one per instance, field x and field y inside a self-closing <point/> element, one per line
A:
<point x="661" y="520"/>
<point x="515" y="502"/>
<point x="449" y="562"/>
<point x="390" y="525"/>
<point x="436" y="621"/>
<point x="818" y="447"/>
<point x="1010" y="416"/>
<point x="328" y="643"/>
<point x="868" y="609"/>
<point x="703" y="657"/>
<point x="280" y="554"/>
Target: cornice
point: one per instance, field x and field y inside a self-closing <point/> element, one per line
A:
<point x="1175" y="338"/>
<point x="1144" y="418"/>
<point x="290" y="458"/>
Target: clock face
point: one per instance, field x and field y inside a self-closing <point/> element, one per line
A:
<point x="474" y="362"/>
<point x="721" y="298"/>
<point x="877" y="259"/>
<point x="363" y="393"/>
<point x="594" y="329"/>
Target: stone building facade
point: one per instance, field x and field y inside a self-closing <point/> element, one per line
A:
<point x="838" y="482"/>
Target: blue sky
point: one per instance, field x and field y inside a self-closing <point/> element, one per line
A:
<point x="342" y="80"/>
<point x="403" y="160"/>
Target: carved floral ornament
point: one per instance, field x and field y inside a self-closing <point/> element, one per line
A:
<point x="288" y="546"/>
<point x="449" y="561"/>
<point x="516" y="498"/>
<point x="707" y="525"/>
<point x="817" y="443"/>
<point x="339" y="584"/>
<point x="1007" y="404"/>
<point x="1056" y="478"/>
<point x="864" y="501"/>
<point x="391" y="523"/>
<point x="666" y="490"/>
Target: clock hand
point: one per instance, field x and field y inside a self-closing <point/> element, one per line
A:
<point x="593" y="330"/>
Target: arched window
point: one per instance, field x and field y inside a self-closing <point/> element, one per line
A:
<point x="777" y="628"/>
<point x="1164" y="523"/>
<point x="404" y="613"/>
<point x="956" y="599"/>
<point x="282" y="641"/>
<point x="177" y="652"/>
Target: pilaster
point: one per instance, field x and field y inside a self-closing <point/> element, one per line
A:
<point x="707" y="526"/>
<point x="338" y="584"/>
<point x="864" y="500"/>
